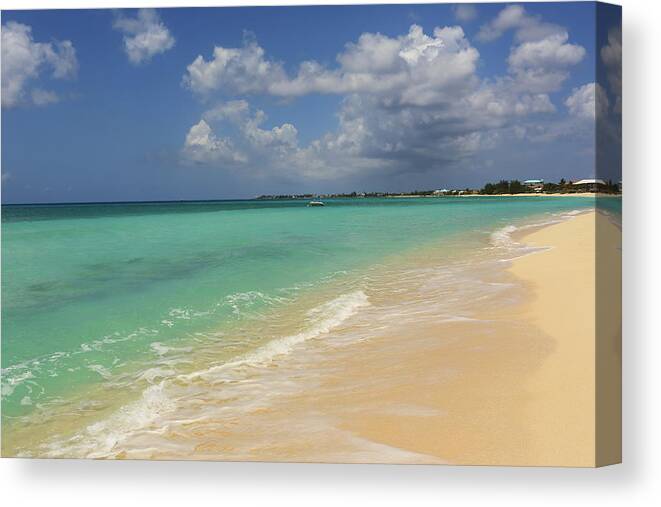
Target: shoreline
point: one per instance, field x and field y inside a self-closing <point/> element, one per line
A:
<point x="475" y="389"/>
<point x="535" y="404"/>
<point x="526" y="194"/>
<point x="542" y="194"/>
<point x="562" y="411"/>
<point x="504" y="387"/>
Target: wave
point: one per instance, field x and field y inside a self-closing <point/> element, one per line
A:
<point x="30" y="374"/>
<point x="34" y="372"/>
<point x="104" y="438"/>
<point x="502" y="238"/>
<point x="326" y="317"/>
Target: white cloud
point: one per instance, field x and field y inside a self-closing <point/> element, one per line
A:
<point x="515" y="17"/>
<point x="24" y="60"/>
<point x="370" y="135"/>
<point x="611" y="56"/>
<point x="465" y="12"/>
<point x="43" y="97"/>
<point x="144" y="36"/>
<point x="242" y="70"/>
<point x="588" y="101"/>
<point x="250" y="143"/>
<point x="510" y="17"/>
<point x="203" y="146"/>
<point x="540" y="58"/>
<point x="541" y="65"/>
<point x="550" y="52"/>
<point x="411" y="69"/>
<point x="411" y="103"/>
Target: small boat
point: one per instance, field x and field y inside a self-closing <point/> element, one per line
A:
<point x="316" y="203"/>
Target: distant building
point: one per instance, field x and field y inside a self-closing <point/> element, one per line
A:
<point x="590" y="184"/>
<point x="442" y="191"/>
<point x="536" y="185"/>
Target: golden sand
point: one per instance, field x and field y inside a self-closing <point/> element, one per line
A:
<point x="520" y="391"/>
<point x="562" y="409"/>
<point x="515" y="385"/>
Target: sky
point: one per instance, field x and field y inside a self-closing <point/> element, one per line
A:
<point x="223" y="103"/>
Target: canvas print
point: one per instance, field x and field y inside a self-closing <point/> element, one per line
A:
<point x="345" y="234"/>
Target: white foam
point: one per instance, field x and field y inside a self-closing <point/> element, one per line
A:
<point x="328" y="316"/>
<point x="152" y="374"/>
<point x="101" y="370"/>
<point x="503" y="237"/>
<point x="100" y="439"/>
<point x="11" y="381"/>
<point x="159" y="348"/>
<point x="241" y="301"/>
<point x="103" y="438"/>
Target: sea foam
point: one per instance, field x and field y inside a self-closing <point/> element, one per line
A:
<point x="324" y="318"/>
<point x="104" y="438"/>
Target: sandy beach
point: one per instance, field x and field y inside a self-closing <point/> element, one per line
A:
<point x="519" y="390"/>
<point x="562" y="407"/>
<point x="514" y="386"/>
<point x="465" y="362"/>
<point x="523" y="393"/>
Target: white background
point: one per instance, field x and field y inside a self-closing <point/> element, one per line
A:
<point x="636" y="482"/>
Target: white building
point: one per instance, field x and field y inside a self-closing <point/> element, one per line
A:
<point x="590" y="184"/>
<point x="536" y="185"/>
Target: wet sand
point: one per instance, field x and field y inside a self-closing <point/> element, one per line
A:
<point x="516" y="387"/>
<point x="508" y="377"/>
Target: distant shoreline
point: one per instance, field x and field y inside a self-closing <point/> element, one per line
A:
<point x="299" y="198"/>
<point x="531" y="194"/>
<point x="567" y="194"/>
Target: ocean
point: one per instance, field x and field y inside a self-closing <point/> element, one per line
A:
<point x="117" y="316"/>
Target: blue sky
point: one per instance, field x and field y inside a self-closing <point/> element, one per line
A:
<point x="219" y="103"/>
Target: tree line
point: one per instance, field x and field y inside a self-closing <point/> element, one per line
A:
<point x="563" y="186"/>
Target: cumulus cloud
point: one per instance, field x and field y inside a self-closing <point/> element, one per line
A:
<point x="24" y="61"/>
<point x="542" y="54"/>
<point x="611" y="56"/>
<point x="412" y="69"/>
<point x="515" y="17"/>
<point x="202" y="145"/>
<point x="410" y="103"/>
<point x="255" y="147"/>
<point x="415" y="66"/>
<point x="370" y="135"/>
<point x="250" y="142"/>
<point x="588" y="101"/>
<point x="550" y="52"/>
<point x="144" y="35"/>
<point x="541" y="65"/>
<point x="464" y="12"/>
<point x="510" y="17"/>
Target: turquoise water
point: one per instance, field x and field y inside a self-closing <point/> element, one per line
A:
<point x="91" y="291"/>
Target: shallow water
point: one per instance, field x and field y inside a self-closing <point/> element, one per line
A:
<point x="117" y="319"/>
